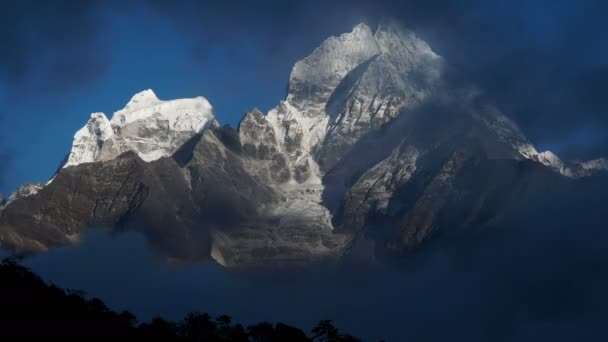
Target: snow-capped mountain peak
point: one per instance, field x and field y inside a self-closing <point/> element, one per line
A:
<point x="314" y="78"/>
<point x="148" y="126"/>
<point x="349" y="86"/>
<point x="145" y="98"/>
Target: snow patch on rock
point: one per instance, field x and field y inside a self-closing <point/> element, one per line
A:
<point x="595" y="164"/>
<point x="572" y="169"/>
<point x="509" y="133"/>
<point x="89" y="140"/>
<point x="25" y="191"/>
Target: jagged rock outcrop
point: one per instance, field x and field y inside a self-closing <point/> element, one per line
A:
<point x="372" y="152"/>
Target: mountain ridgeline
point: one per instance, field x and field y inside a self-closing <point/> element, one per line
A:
<point x="373" y="153"/>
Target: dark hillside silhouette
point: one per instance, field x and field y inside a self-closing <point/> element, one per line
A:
<point x="31" y="308"/>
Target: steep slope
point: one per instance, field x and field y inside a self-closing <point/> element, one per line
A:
<point x="372" y="152"/>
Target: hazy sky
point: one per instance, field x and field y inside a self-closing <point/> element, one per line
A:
<point x="544" y="63"/>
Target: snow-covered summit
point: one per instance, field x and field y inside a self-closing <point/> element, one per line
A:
<point x="143" y="99"/>
<point x="148" y="126"/>
<point x="349" y="86"/>
<point x="314" y="78"/>
<point x="182" y="114"/>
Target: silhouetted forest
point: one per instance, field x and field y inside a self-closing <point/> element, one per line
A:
<point x="29" y="307"/>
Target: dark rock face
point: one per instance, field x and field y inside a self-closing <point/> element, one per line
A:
<point x="464" y="193"/>
<point x="258" y="137"/>
<point x="221" y="186"/>
<point x="90" y="194"/>
<point x="260" y="142"/>
<point x="414" y="181"/>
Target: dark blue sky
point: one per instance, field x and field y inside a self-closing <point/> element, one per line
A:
<point x="544" y="62"/>
<point x="142" y="49"/>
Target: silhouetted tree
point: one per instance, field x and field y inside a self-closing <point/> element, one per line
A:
<point x="283" y="332"/>
<point x="238" y="334"/>
<point x="158" y="330"/>
<point x="198" y="327"/>
<point x="224" y="329"/>
<point x="29" y="308"/>
<point x="325" y="331"/>
<point x="261" y="332"/>
<point x="349" y="338"/>
<point x="223" y="320"/>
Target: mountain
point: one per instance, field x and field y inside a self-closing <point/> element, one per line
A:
<point x="373" y="152"/>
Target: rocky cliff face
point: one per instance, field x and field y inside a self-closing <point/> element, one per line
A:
<point x="371" y="153"/>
